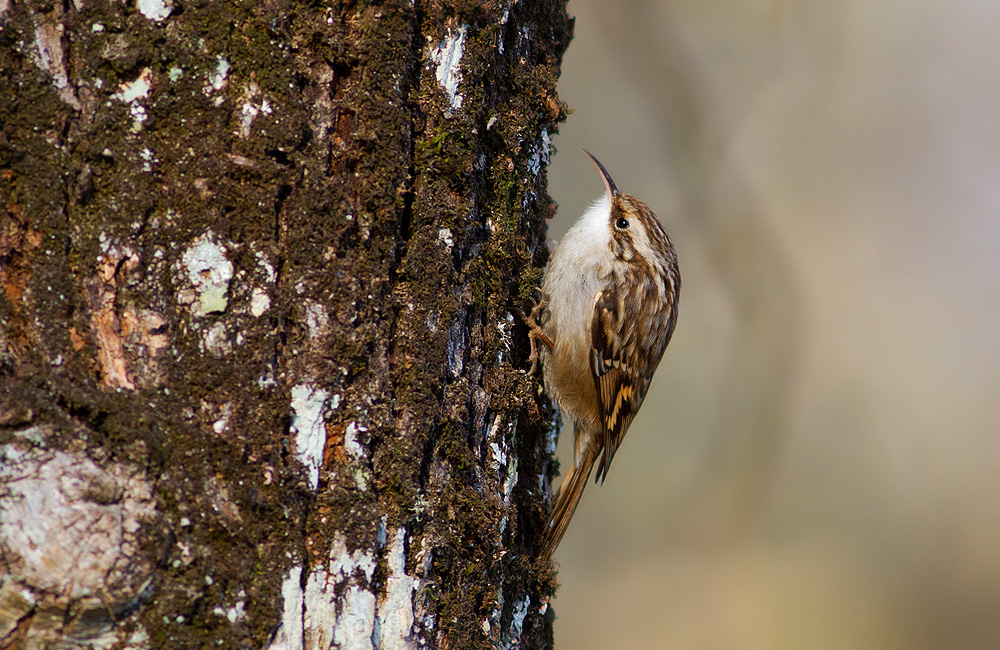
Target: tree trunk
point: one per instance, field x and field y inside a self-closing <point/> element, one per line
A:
<point x="260" y="381"/>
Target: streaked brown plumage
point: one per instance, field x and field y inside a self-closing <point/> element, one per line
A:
<point x="610" y="293"/>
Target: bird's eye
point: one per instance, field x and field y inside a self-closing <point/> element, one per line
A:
<point x="622" y="223"/>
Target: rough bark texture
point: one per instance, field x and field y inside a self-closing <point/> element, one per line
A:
<point x="260" y="383"/>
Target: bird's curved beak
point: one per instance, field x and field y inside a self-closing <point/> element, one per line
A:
<point x="609" y="183"/>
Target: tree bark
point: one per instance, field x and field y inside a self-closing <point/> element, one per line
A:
<point x="260" y="381"/>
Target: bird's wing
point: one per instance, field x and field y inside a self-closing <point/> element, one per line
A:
<point x="615" y="366"/>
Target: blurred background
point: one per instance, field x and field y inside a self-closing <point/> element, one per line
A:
<point x="818" y="462"/>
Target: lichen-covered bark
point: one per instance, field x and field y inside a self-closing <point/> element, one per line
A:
<point x="260" y="381"/>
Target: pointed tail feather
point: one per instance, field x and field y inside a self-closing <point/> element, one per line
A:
<point x="567" y="498"/>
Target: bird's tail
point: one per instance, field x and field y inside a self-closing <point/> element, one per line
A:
<point x="566" y="500"/>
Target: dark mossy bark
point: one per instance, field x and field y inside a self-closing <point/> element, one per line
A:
<point x="258" y="264"/>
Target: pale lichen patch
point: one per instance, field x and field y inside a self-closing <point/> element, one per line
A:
<point x="309" y="426"/>
<point x="155" y="10"/>
<point x="138" y="88"/>
<point x="354" y="625"/>
<point x="395" y="608"/>
<point x="217" y="78"/>
<point x="504" y="331"/>
<point x="131" y="92"/>
<point x="317" y="321"/>
<point x="260" y="302"/>
<point x="138" y="640"/>
<point x="290" y="633"/>
<point x="205" y="266"/>
<point x="320" y="615"/>
<point x="336" y="608"/>
<point x="235" y="613"/>
<point x="222" y="423"/>
<point x="260" y="299"/>
<point x="251" y="108"/>
<point x="448" y="56"/>
<point x="265" y="265"/>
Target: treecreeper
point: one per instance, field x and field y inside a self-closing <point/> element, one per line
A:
<point x="607" y="311"/>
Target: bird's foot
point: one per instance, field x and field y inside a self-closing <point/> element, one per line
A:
<point x="535" y="331"/>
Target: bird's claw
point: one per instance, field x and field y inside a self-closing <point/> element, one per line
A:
<point x="535" y="331"/>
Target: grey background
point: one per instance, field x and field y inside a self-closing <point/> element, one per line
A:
<point x="818" y="462"/>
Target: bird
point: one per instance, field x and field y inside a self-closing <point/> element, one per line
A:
<point x="607" y="310"/>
